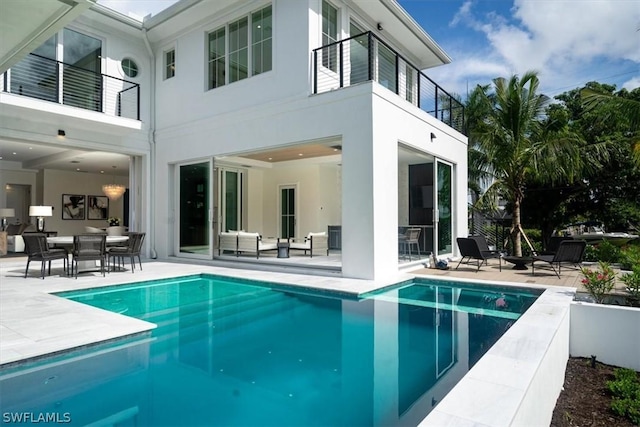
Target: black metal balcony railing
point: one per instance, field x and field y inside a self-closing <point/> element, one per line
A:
<point x="43" y="78"/>
<point x="365" y="57"/>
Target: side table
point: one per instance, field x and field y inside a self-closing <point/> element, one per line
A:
<point x="283" y="249"/>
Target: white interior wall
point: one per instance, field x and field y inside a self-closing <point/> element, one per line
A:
<point x="57" y="183"/>
<point x="305" y="178"/>
<point x="255" y="197"/>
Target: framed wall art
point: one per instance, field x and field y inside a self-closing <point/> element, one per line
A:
<point x="98" y="207"/>
<point x="73" y="206"/>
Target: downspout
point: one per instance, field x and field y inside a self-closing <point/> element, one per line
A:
<point x="152" y="143"/>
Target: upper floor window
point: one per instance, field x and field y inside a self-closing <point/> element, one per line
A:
<point x="129" y="67"/>
<point x="236" y="53"/>
<point x="169" y="64"/>
<point x="329" y="35"/>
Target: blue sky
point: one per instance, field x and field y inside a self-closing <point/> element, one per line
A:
<point x="569" y="42"/>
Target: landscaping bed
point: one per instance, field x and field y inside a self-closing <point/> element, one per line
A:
<point x="586" y="399"/>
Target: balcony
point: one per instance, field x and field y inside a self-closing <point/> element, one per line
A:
<point x="49" y="80"/>
<point x="365" y="57"/>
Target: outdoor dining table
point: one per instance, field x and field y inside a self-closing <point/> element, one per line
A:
<point x="68" y="241"/>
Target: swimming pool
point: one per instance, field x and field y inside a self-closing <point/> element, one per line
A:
<point x="232" y="352"/>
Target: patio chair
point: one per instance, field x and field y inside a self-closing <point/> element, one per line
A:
<point x="89" y="247"/>
<point x="37" y="249"/>
<point x="569" y="251"/>
<point x="131" y="251"/>
<point x="469" y="248"/>
<point x="314" y="242"/>
<point x="554" y="243"/>
<point x="253" y="243"/>
<point x="410" y="238"/>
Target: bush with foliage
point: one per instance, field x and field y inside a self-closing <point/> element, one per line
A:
<point x="599" y="282"/>
<point x="632" y="285"/>
<point x="626" y="394"/>
<point x="591" y="253"/>
<point x="607" y="252"/>
<point x="630" y="256"/>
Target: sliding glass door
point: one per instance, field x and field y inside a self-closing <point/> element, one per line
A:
<point x="444" y="217"/>
<point x="194" y="210"/>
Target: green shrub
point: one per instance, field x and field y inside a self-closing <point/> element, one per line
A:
<point x="626" y="394"/>
<point x="630" y="257"/>
<point x="632" y="284"/>
<point x="591" y="253"/>
<point x="608" y="252"/>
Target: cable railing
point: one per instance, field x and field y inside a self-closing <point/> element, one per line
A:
<point x="366" y="57"/>
<point x="49" y="80"/>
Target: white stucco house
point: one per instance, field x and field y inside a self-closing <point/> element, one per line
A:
<point x="280" y="117"/>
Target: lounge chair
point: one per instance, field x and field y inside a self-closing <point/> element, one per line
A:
<point x="569" y="251"/>
<point x="554" y="243"/>
<point x="253" y="243"/>
<point x="469" y="248"/>
<point x="228" y="241"/>
<point x="314" y="242"/>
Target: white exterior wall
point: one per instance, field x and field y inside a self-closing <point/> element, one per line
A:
<point x="276" y="109"/>
<point x="288" y="78"/>
<point x="610" y="333"/>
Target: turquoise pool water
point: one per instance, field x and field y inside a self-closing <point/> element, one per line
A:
<point x="228" y="352"/>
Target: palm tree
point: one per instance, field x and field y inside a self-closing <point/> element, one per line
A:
<point x="511" y="142"/>
<point x="630" y="108"/>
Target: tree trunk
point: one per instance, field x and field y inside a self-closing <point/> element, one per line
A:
<point x="516" y="240"/>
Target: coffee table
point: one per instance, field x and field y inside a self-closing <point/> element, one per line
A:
<point x="519" y="262"/>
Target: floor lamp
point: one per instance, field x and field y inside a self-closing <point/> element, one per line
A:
<point x="40" y="212"/>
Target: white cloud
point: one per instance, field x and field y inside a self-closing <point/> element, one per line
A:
<point x="565" y="40"/>
<point x="631" y="84"/>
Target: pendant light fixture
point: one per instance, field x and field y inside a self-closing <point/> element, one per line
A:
<point x="113" y="191"/>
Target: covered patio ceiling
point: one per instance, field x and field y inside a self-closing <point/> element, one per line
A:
<point x="25" y="25"/>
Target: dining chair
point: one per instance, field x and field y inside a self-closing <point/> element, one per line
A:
<point x="89" y="247"/>
<point x="37" y="249"/>
<point x="132" y="250"/>
<point x="410" y="238"/>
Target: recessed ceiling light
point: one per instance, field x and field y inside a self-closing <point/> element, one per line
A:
<point x="78" y="169"/>
<point x="300" y="154"/>
<point x="14" y="153"/>
<point x="30" y="148"/>
<point x="101" y="171"/>
<point x="270" y="158"/>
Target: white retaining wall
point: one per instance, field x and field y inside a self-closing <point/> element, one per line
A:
<point x="609" y="332"/>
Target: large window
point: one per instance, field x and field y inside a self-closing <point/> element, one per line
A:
<point x="329" y="35"/>
<point x="261" y="36"/>
<point x="236" y="53"/>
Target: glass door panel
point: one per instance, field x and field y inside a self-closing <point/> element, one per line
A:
<point x="231" y="191"/>
<point x="287" y="212"/>
<point x="444" y="214"/>
<point x="194" y="182"/>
